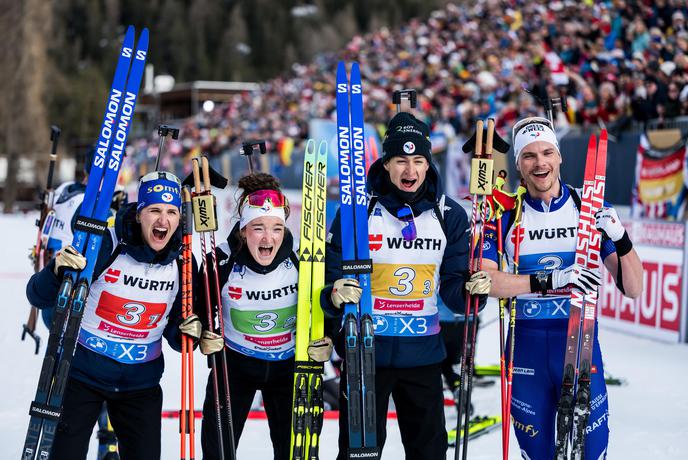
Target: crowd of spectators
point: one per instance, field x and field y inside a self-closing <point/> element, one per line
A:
<point x="617" y="62"/>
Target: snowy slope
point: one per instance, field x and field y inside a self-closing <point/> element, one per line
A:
<point x="647" y="415"/>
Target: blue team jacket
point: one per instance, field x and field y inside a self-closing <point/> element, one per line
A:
<point x="405" y="352"/>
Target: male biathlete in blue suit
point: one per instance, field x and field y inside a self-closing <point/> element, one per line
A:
<point x="547" y="265"/>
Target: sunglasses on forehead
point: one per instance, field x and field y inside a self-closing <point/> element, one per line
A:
<point x="405" y="215"/>
<point x="530" y="121"/>
<point x="155" y="175"/>
<point x="258" y="199"/>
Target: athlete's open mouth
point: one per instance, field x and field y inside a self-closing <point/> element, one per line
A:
<point x="541" y="174"/>
<point x="408" y="183"/>
<point x="159" y="233"/>
<point x="265" y="251"/>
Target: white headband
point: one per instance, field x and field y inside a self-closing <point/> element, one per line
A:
<point x="533" y="130"/>
<point x="248" y="213"/>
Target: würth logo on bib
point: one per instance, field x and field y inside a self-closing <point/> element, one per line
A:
<point x="147" y="284"/>
<point x="375" y="242"/>
<point x="112" y="275"/>
<point x="272" y="294"/>
<point x="234" y="293"/>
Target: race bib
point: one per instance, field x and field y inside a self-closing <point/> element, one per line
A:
<point x="408" y="281"/>
<point x="264" y="322"/>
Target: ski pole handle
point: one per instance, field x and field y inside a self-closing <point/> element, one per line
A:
<point x="490" y="137"/>
<point x="479" y="126"/>
<point x="206" y="173"/>
<point x="196" y="175"/>
<point x="203" y="200"/>
<point x="482" y="166"/>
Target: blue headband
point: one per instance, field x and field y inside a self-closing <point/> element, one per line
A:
<point x="159" y="187"/>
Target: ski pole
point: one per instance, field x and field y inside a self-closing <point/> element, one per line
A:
<point x="247" y="149"/>
<point x="499" y="184"/>
<point x="203" y="204"/>
<point x="520" y="192"/>
<point x="40" y="249"/>
<point x="163" y="132"/>
<point x="404" y="94"/>
<point x="218" y="297"/>
<point x="482" y="184"/>
<point x="474" y="214"/>
<point x="186" y="418"/>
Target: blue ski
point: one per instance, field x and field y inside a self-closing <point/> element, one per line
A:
<point x="46" y="408"/>
<point x="358" y="323"/>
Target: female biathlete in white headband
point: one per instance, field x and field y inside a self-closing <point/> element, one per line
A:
<point x="258" y="277"/>
<point x="547" y="276"/>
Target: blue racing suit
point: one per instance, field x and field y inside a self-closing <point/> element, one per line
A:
<point x="548" y="243"/>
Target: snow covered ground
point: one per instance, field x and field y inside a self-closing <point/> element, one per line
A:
<point x="647" y="416"/>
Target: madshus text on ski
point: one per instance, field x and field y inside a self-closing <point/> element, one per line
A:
<point x="395" y="285"/>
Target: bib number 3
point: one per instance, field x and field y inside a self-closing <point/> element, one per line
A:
<point x="405" y="279"/>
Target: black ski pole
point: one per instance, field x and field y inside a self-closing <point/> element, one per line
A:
<point x="46" y="205"/>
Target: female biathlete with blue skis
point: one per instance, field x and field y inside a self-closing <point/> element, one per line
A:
<point x="547" y="255"/>
<point x="258" y="278"/>
<point x="134" y="301"/>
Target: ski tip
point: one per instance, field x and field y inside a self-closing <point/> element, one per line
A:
<point x="310" y="147"/>
<point x="341" y="67"/>
<point x="592" y="142"/>
<point x="144" y="37"/>
<point x="603" y="135"/>
<point x="323" y="148"/>
<point x="355" y="70"/>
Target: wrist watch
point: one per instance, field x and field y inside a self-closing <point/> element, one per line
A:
<point x="542" y="278"/>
